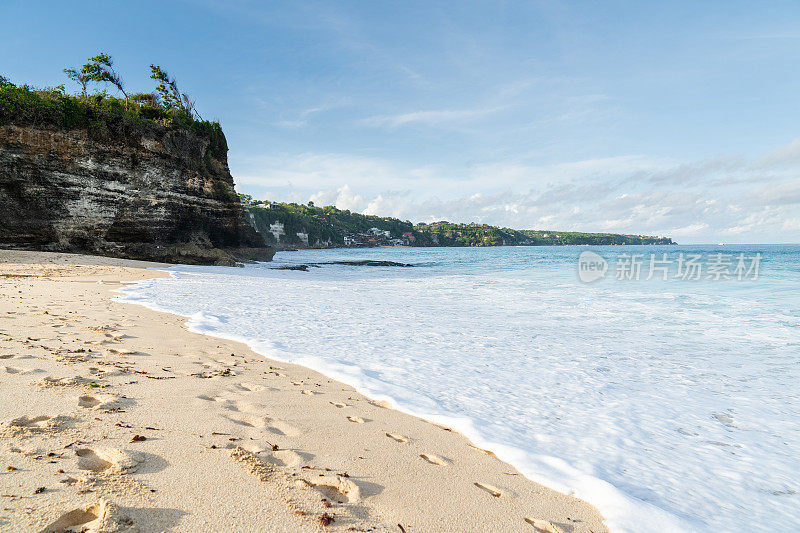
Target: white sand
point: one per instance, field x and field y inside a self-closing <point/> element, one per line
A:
<point x="81" y="376"/>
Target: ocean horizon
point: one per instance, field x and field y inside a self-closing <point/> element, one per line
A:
<point x="662" y="389"/>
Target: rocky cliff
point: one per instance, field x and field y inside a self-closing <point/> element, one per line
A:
<point x="164" y="194"/>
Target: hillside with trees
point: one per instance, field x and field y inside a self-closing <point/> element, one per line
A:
<point x="292" y="225"/>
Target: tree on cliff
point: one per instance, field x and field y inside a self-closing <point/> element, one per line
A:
<point x="171" y="96"/>
<point x="100" y="68"/>
<point x="80" y="77"/>
<point x="100" y="110"/>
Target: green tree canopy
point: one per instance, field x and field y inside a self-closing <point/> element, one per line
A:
<point x="167" y="89"/>
<point x="100" y="69"/>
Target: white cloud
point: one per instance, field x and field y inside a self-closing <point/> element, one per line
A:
<point x="719" y="199"/>
<point x="343" y="198"/>
<point x="779" y="194"/>
<point x="692" y="230"/>
<point x="788" y="154"/>
<point x="428" y="118"/>
<point x="300" y="119"/>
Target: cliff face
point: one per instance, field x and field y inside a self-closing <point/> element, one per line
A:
<point x="165" y="195"/>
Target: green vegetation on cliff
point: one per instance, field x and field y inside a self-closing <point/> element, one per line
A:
<point x="102" y="114"/>
<point x="139" y="176"/>
<point x="296" y="225"/>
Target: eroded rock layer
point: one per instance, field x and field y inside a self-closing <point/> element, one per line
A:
<point x="165" y="195"/>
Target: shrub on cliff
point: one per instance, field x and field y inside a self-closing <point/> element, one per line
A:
<point x="104" y="115"/>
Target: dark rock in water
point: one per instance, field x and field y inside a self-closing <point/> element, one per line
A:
<point x="160" y="195"/>
<point x="367" y="262"/>
<point x="303" y="268"/>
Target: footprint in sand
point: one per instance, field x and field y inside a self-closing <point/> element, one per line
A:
<point x="122" y="351"/>
<point x="335" y="487"/>
<point x="244" y="407"/>
<point x="543" y="526"/>
<point x="356" y="419"/>
<point x="108" y="341"/>
<point x="283" y="428"/>
<point x="88" y="402"/>
<point x="281" y="458"/>
<point x="111" y="459"/>
<point x="73" y="382"/>
<point x="100" y="516"/>
<point x="278" y="427"/>
<point x="398" y="438"/>
<point x="250" y="387"/>
<point x="100" y="402"/>
<point x="35" y="422"/>
<point x="23" y="425"/>
<point x="228" y="404"/>
<point x="491" y="489"/>
<point x="289" y="458"/>
<point x="340" y="405"/>
<point x="215" y="398"/>
<point x="434" y="459"/>
<point x="21" y="371"/>
<point x="250" y="421"/>
<point x="308" y="392"/>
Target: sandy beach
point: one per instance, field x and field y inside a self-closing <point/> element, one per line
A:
<point x="114" y="417"/>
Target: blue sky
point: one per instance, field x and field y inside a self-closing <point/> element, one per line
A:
<point x="676" y="118"/>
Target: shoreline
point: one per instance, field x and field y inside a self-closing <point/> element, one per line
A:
<point x="313" y="420"/>
<point x="621" y="511"/>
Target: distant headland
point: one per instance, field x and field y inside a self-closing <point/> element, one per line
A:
<point x="291" y="225"/>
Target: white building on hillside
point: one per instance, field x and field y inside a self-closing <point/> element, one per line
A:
<point x="276" y="228"/>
